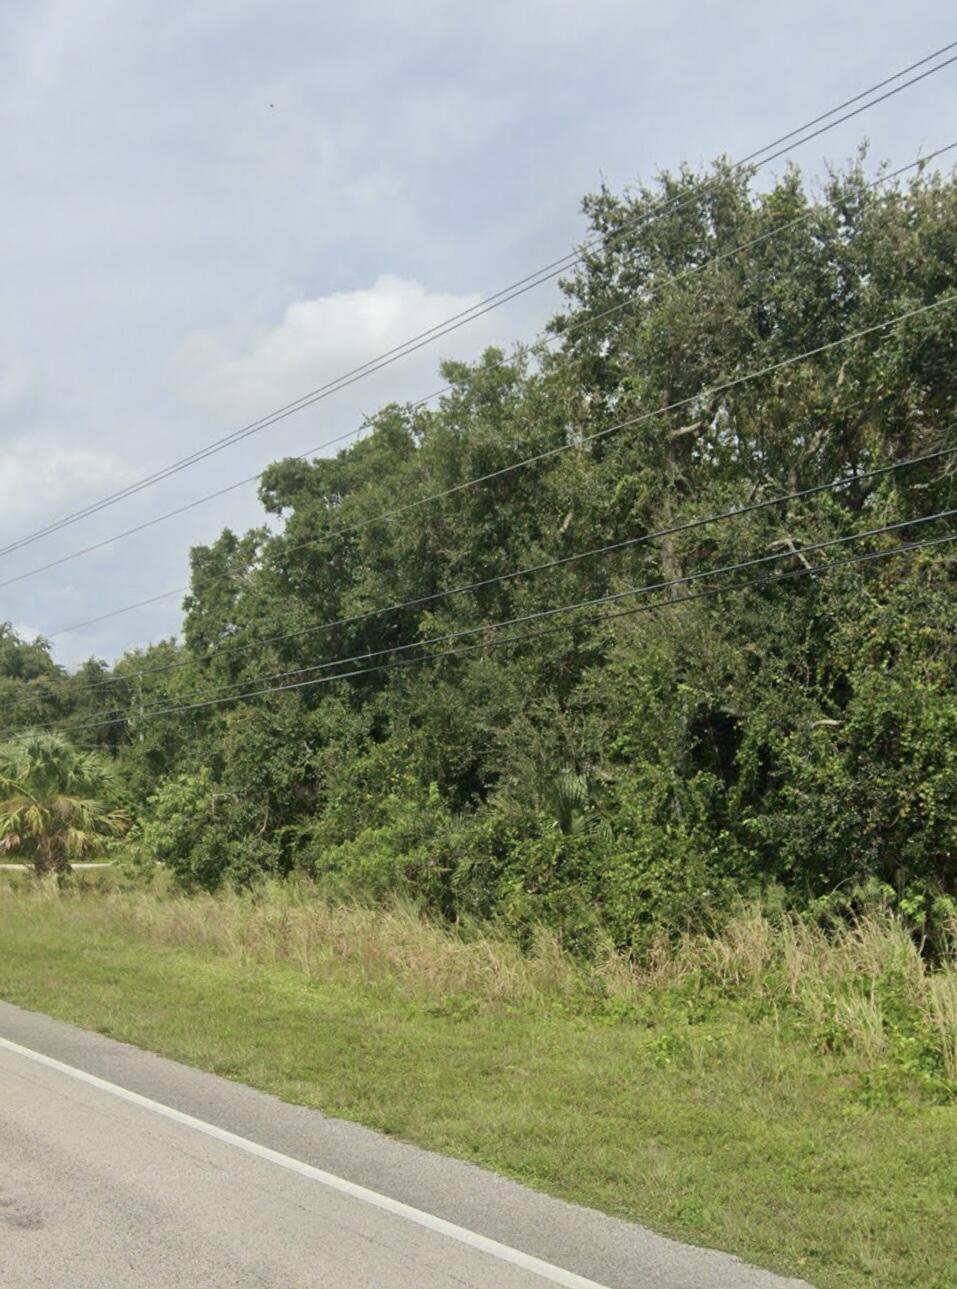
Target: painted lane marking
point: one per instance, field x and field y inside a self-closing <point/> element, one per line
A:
<point x="557" y="1275"/>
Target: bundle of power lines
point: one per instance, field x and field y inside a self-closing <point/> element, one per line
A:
<point x="494" y="635"/>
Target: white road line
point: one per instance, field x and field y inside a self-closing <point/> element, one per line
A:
<point x="557" y="1275"/>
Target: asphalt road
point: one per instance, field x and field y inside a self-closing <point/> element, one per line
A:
<point x="122" y="1169"/>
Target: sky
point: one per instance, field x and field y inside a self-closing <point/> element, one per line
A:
<point x="211" y="208"/>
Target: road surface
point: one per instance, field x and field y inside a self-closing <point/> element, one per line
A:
<point x="122" y="1169"/>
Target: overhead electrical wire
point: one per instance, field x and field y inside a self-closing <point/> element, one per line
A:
<point x="191" y="505"/>
<point x="600" y="600"/>
<point x="640" y="418"/>
<point x="737" y="381"/>
<point x="232" y="650"/>
<point x="608" y="598"/>
<point x="751" y="583"/>
<point x="113" y="613"/>
<point x="547" y="273"/>
<point x="564" y="334"/>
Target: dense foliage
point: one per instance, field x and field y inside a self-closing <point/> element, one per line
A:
<point x="598" y="774"/>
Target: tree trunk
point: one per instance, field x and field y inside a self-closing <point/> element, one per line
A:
<point x="51" y="858"/>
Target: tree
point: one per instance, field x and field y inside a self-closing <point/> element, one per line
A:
<point x="634" y="770"/>
<point x="57" y="802"/>
<point x="32" y="686"/>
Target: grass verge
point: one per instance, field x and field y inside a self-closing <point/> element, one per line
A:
<point x="773" y="1092"/>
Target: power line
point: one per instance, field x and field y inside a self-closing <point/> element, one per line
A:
<point x="548" y="272"/>
<point x="713" y="262"/>
<point x="629" y="422"/>
<point x="751" y="583"/>
<point x="190" y="505"/>
<point x="114" y="613"/>
<point x="540" y="614"/>
<point x="642" y="417"/>
<point x="576" y="557"/>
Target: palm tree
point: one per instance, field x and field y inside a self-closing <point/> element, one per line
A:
<point x="55" y="802"/>
<point x="569" y="803"/>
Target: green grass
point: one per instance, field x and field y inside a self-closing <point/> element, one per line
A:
<point x="691" y="1109"/>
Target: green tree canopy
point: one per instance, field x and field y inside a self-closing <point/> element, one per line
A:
<point x="800" y="733"/>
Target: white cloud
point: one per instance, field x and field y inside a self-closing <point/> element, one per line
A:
<point x="315" y="342"/>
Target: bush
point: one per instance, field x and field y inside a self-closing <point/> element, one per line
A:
<point x="202" y="836"/>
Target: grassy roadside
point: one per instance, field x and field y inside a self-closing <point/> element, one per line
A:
<point x="696" y="1100"/>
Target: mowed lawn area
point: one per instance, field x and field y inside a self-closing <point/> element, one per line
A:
<point x="713" y="1113"/>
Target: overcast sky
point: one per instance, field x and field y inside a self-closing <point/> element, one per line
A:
<point x="209" y="208"/>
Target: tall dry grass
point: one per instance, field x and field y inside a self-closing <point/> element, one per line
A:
<point x="857" y="983"/>
<point x="392" y="947"/>
<point x="865" y="983"/>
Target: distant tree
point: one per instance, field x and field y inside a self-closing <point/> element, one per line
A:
<point x="32" y="685"/>
<point x="56" y="805"/>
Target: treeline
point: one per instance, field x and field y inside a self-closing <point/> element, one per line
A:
<point x="600" y="771"/>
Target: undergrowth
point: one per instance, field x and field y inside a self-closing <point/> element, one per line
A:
<point x="860" y="988"/>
